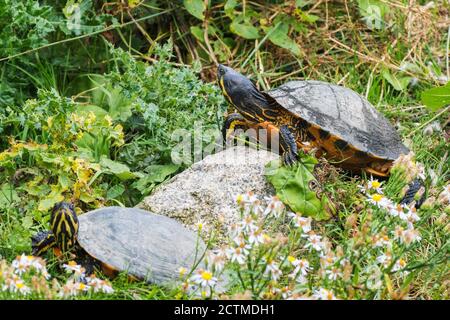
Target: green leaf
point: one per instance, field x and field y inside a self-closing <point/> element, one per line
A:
<point x="300" y="3"/>
<point x="8" y="195"/>
<point x="27" y="222"/>
<point x="373" y="12"/>
<point x="48" y="202"/>
<point x="197" y="32"/>
<point x="110" y="98"/>
<point x="309" y="18"/>
<point x="280" y="37"/>
<point x="118" y="169"/>
<point x="83" y="110"/>
<point x="229" y="7"/>
<point x="436" y="98"/>
<point x="196" y="8"/>
<point x="115" y="192"/>
<point x="157" y="174"/>
<point x="292" y="186"/>
<point x="399" y="83"/>
<point x="245" y="30"/>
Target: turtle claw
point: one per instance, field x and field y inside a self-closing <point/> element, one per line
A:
<point x="290" y="157"/>
<point x="288" y="145"/>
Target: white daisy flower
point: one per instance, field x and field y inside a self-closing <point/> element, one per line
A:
<point x="409" y="236"/>
<point x="324" y="294"/>
<point x="20" y="287"/>
<point x="218" y="259"/>
<point x="247" y="224"/>
<point x="274" y="270"/>
<point x="374" y="184"/>
<point x="99" y="285"/>
<point x="314" y="242"/>
<point x="380" y="240"/>
<point x="204" y="278"/>
<point x="237" y="255"/>
<point x="399" y="265"/>
<point x="301" y="222"/>
<point x="398" y="210"/>
<point x="21" y="264"/>
<point x="78" y="271"/>
<point x="384" y="259"/>
<point x="256" y="237"/>
<point x="333" y="273"/>
<point x="379" y="200"/>
<point x="411" y="216"/>
<point x="301" y="265"/>
<point x="275" y="207"/>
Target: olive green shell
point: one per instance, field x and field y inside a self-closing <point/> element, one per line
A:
<point x="145" y="245"/>
<point x="344" y="114"/>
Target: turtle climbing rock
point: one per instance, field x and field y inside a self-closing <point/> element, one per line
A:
<point x="335" y="121"/>
<point x="145" y="245"/>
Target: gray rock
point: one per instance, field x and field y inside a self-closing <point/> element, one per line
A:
<point x="145" y="245"/>
<point x="207" y="190"/>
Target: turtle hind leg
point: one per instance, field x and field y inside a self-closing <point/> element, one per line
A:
<point x="41" y="242"/>
<point x="379" y="168"/>
<point x="413" y="188"/>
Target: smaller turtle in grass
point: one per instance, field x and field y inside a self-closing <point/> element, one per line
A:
<point x="308" y="115"/>
<point x="145" y="245"/>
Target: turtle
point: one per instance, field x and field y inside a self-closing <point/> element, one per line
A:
<point x="338" y="122"/>
<point x="115" y="239"/>
<point x="312" y="115"/>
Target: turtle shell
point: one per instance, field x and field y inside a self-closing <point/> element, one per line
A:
<point x="343" y="114"/>
<point x="145" y="245"/>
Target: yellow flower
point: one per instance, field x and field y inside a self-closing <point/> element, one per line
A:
<point x="206" y="275"/>
<point x="182" y="271"/>
<point x="50" y="122"/>
<point x="108" y="120"/>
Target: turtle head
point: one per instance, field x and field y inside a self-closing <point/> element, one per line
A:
<point x="64" y="225"/>
<point x="242" y="94"/>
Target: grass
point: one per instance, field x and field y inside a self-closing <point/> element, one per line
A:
<point x="339" y="48"/>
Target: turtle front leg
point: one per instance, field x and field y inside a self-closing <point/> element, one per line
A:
<point x="288" y="145"/>
<point x="233" y="122"/>
<point x="41" y="242"/>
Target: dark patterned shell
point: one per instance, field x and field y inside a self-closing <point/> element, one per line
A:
<point x="343" y="113"/>
<point x="145" y="245"/>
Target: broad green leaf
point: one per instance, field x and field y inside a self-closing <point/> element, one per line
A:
<point x="8" y="195"/>
<point x="27" y="222"/>
<point x="309" y="18"/>
<point x="245" y="30"/>
<point x="300" y="3"/>
<point x="197" y="32"/>
<point x="437" y="97"/>
<point x="118" y="169"/>
<point x="399" y="83"/>
<point x="280" y="37"/>
<point x="195" y="7"/>
<point x="83" y="110"/>
<point x="48" y="202"/>
<point x="109" y="98"/>
<point x="115" y="192"/>
<point x="373" y="12"/>
<point x="229" y="7"/>
<point x="157" y="174"/>
<point x="292" y="186"/>
<point x="64" y="182"/>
